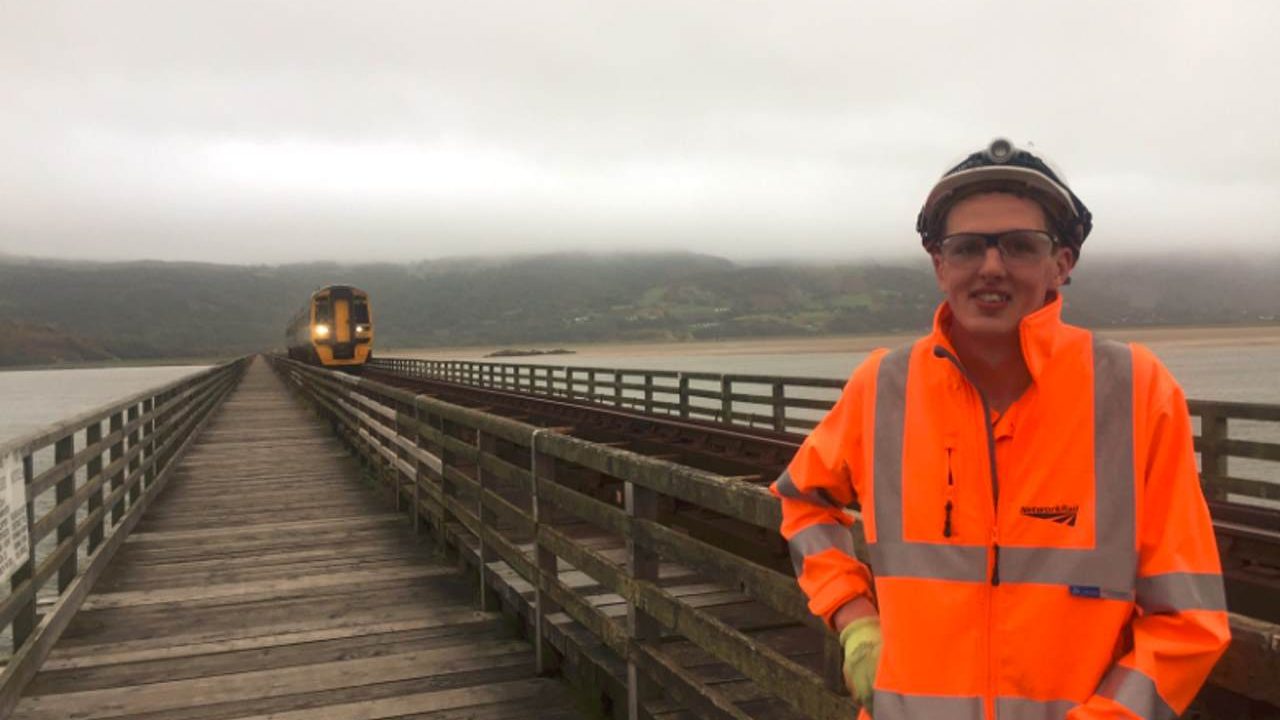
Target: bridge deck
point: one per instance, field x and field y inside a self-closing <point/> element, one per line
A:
<point x="266" y="581"/>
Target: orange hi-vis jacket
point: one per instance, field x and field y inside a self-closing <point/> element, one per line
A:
<point x="1076" y="576"/>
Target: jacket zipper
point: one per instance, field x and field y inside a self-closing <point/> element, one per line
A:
<point x="942" y="352"/>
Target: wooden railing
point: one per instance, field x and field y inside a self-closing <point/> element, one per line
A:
<point x="784" y="404"/>
<point x="107" y="465"/>
<point x="795" y="404"/>
<point x="1256" y="441"/>
<point x="510" y="491"/>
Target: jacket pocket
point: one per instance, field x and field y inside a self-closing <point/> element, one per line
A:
<point x="949" y="500"/>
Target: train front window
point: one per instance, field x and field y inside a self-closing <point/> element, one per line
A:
<point x="360" y="311"/>
<point x="323" y="313"/>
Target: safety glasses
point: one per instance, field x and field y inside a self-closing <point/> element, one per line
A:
<point x="1017" y="247"/>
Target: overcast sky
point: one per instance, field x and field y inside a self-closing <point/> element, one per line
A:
<point x="258" y="131"/>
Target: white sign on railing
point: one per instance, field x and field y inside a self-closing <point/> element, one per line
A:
<point x="13" y="516"/>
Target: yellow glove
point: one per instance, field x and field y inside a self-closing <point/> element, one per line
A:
<point x="861" y="642"/>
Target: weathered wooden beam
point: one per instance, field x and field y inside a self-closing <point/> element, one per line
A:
<point x="1251" y="666"/>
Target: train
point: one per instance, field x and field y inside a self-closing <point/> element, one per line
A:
<point x="333" y="329"/>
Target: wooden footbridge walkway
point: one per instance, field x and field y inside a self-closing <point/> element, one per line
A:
<point x="208" y="551"/>
<point x="264" y="582"/>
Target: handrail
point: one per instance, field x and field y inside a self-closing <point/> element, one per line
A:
<point x="96" y="502"/>
<point x="793" y="405"/>
<point x="779" y="403"/>
<point x="504" y="483"/>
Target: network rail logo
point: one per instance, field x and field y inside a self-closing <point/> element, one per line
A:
<point x="1061" y="514"/>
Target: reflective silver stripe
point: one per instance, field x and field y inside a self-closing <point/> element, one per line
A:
<point x="1175" y="592"/>
<point x="816" y="538"/>
<point x="961" y="563"/>
<point x="890" y="414"/>
<point x="897" y="706"/>
<point x="1068" y="566"/>
<point x="1113" y="562"/>
<point x="890" y="555"/>
<point x="1012" y="708"/>
<point x="1115" y="509"/>
<point x="786" y="487"/>
<point x="1137" y="692"/>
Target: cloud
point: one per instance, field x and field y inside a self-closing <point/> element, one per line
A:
<point x="270" y="131"/>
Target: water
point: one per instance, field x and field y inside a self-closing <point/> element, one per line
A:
<point x="32" y="400"/>
<point x="1245" y="372"/>
<point x="1213" y="364"/>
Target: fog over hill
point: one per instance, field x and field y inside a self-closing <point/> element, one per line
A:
<point x="145" y="310"/>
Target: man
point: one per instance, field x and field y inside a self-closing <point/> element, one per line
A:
<point x="1040" y="548"/>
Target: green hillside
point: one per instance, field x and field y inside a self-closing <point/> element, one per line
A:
<point x="148" y="310"/>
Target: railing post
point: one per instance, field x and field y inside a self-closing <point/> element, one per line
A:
<point x="485" y="445"/>
<point x="63" y="450"/>
<point x="568" y="383"/>
<point x="24" y="622"/>
<point x="726" y="400"/>
<point x="399" y="454"/>
<point x="648" y="393"/>
<point x="149" y="443"/>
<point x="684" y="395"/>
<point x="542" y="467"/>
<point x="442" y="521"/>
<point x="418" y="473"/>
<point x="117" y="480"/>
<point x="135" y="488"/>
<point x="642" y="564"/>
<point x="591" y="385"/>
<point x="617" y="389"/>
<point x="1213" y="461"/>
<point x="92" y="436"/>
<point x="779" y="407"/>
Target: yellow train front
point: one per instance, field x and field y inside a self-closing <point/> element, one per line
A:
<point x="334" y="328"/>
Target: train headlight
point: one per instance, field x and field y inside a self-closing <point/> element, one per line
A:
<point x="361" y="328"/>
<point x="322" y="330"/>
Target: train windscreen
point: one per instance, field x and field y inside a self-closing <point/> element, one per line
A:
<point x="360" y="311"/>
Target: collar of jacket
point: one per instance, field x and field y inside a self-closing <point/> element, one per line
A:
<point x="1039" y="334"/>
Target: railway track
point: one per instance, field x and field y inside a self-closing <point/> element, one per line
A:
<point x="1248" y="536"/>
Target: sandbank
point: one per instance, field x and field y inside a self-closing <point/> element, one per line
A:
<point x="1155" y="337"/>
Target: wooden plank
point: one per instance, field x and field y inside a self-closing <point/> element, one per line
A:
<point x="278" y="655"/>
<point x="265" y="589"/>
<point x="152" y="577"/>
<point x="85" y="656"/>
<point x="519" y="691"/>
<point x="158" y="696"/>
<point x="504" y="671"/>
<point x="161" y="629"/>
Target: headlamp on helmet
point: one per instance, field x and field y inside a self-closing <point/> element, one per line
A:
<point x="1003" y="167"/>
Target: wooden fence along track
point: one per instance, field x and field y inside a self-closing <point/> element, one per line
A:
<point x="267" y="581"/>
<point x="656" y="618"/>
<point x="470" y="472"/>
